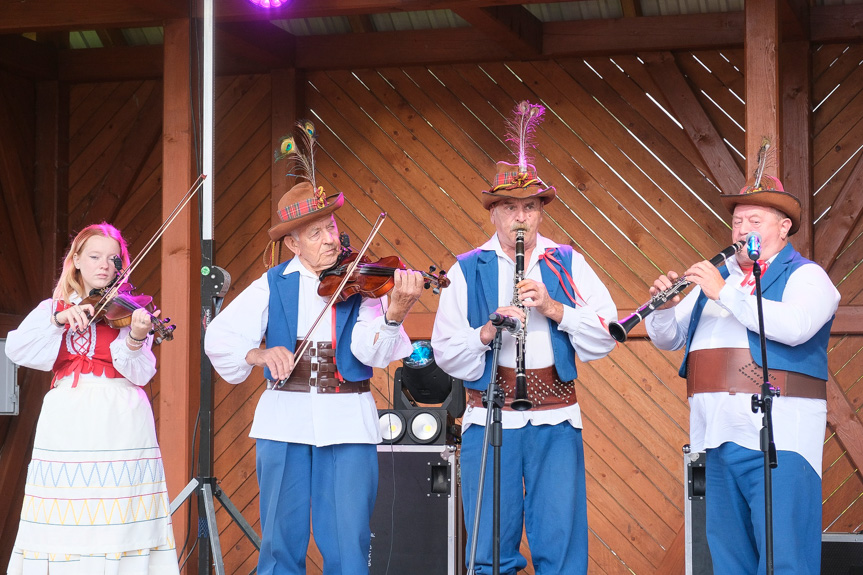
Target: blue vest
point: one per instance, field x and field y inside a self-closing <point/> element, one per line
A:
<point x="282" y="323"/>
<point x="810" y="357"/>
<point x="480" y="273"/>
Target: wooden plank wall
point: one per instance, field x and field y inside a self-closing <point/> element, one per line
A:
<point x="637" y="195"/>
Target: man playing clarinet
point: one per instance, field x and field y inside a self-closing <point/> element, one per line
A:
<point x="560" y="304"/>
<point x="717" y="324"/>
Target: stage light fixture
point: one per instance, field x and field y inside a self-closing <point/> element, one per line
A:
<point x="269" y="3"/>
<point x="421" y="376"/>
<point x="392" y="426"/>
<point x="425" y="427"/>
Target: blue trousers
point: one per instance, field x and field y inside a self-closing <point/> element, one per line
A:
<point x="542" y="489"/>
<point x="334" y="487"/>
<point x="735" y="512"/>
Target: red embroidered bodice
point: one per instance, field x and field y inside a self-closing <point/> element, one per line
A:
<point x="88" y="352"/>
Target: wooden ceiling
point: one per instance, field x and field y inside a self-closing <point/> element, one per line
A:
<point x="247" y="42"/>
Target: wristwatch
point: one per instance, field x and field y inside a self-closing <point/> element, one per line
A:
<point x="390" y="322"/>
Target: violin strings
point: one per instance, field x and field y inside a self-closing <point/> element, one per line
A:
<point x="107" y="296"/>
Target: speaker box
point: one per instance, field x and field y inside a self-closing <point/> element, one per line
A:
<point x="841" y="553"/>
<point x="417" y="525"/>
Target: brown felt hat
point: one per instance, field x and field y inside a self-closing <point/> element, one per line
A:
<point x="768" y="193"/>
<point x="510" y="182"/>
<point x="301" y="204"/>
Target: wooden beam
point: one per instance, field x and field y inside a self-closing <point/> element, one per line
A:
<point x="381" y="49"/>
<point x="694" y="119"/>
<point x="842" y="418"/>
<point x="259" y="42"/>
<point x="361" y="23"/>
<point x="179" y="362"/>
<point x="836" y="226"/>
<point x="836" y="23"/>
<point x="761" y="56"/>
<point x="111" y="64"/>
<point x="631" y="8"/>
<point x="244" y="10"/>
<point x="647" y="34"/>
<point x="23" y="57"/>
<point x="513" y="28"/>
<point x="20" y="17"/>
<point x="109" y="195"/>
<point x="793" y="20"/>
<point x="849" y="320"/>
<point x="795" y="77"/>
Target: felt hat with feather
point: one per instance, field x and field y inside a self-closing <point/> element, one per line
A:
<point x="519" y="180"/>
<point x="765" y="191"/>
<point x="305" y="201"/>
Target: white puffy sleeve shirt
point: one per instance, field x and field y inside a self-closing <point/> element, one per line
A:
<point x="808" y="302"/>
<point x="310" y="418"/>
<point x="36" y="343"/>
<point x="460" y="352"/>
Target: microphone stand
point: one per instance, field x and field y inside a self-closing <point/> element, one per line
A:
<point x="493" y="434"/>
<point x="764" y="403"/>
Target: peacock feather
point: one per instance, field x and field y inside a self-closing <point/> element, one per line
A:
<point x="521" y="129"/>
<point x="301" y="162"/>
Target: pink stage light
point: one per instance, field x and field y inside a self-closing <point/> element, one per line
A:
<point x="269" y="3"/>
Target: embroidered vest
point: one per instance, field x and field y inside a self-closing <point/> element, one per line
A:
<point x="282" y="323"/>
<point x="810" y="357"/>
<point x="480" y="272"/>
<point x="88" y="352"/>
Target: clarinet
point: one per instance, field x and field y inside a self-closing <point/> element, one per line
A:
<point x="520" y="402"/>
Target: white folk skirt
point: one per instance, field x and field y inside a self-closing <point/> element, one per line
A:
<point x="95" y="501"/>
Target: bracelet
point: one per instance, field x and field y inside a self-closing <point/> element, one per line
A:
<point x="141" y="341"/>
<point x="130" y="343"/>
<point x="55" y="321"/>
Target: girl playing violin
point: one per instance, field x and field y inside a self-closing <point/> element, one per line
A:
<point x="95" y="500"/>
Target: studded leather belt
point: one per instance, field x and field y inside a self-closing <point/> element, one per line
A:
<point x="544" y="389"/>
<point x="317" y="368"/>
<point x="732" y="370"/>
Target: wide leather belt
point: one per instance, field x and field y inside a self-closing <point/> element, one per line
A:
<point x="731" y="370"/>
<point x="317" y="368"/>
<point x="544" y="389"/>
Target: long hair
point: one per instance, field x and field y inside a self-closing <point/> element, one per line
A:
<point x="70" y="278"/>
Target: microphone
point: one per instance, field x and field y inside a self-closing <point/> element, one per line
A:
<point x="511" y="324"/>
<point x="753" y="246"/>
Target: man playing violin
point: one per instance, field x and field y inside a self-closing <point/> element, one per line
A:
<point x="316" y="425"/>
<point x="717" y="325"/>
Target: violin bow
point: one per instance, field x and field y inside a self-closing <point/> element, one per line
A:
<point x="301" y="349"/>
<point x="123" y="275"/>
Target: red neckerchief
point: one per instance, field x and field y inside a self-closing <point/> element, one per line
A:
<point x="749" y="278"/>
<point x="549" y="256"/>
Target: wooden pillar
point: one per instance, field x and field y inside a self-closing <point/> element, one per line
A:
<point x="796" y="176"/>
<point x="761" y="46"/>
<point x="180" y="291"/>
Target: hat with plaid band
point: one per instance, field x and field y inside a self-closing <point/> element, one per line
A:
<point x="519" y="180"/>
<point x="305" y="201"/>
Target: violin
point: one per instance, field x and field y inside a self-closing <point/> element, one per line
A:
<point x="114" y="305"/>
<point x="117" y="312"/>
<point x="371" y="279"/>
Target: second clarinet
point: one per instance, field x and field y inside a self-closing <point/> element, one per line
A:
<point x="520" y="402"/>
<point x="620" y="329"/>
